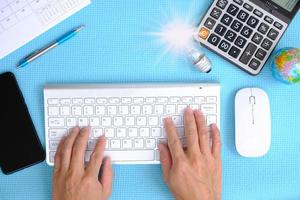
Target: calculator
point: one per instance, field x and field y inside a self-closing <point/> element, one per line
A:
<point x="246" y="32"/>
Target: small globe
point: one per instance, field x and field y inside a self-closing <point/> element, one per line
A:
<point x="286" y="65"/>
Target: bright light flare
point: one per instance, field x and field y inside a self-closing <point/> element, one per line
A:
<point x="177" y="36"/>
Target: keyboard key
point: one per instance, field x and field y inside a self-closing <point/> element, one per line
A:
<point x="115" y="144"/>
<point x="209" y="23"/>
<point x="226" y="19"/>
<point x="124" y="110"/>
<point x="246" y="31"/>
<point x="144" y="132"/>
<point x="127" y="156"/>
<point x="248" y="53"/>
<point x="51" y="156"/>
<point x="222" y="3"/>
<point x="97" y="132"/>
<point x="109" y="132"/>
<point x="266" y="44"/>
<point x="216" y="13"/>
<point x="9" y="21"/>
<point x="111" y="110"/>
<point x="234" y="52"/>
<point x="150" y="100"/>
<point x="106" y="121"/>
<point x="57" y="133"/>
<point x="211" y="119"/>
<point x="170" y="109"/>
<point x="278" y="25"/>
<point x="240" y="42"/>
<point x="65" y="110"/>
<point x="5" y="12"/>
<point x="91" y="144"/>
<point x="209" y="108"/>
<point x="77" y="101"/>
<point x="56" y="122"/>
<point x="24" y="12"/>
<point x="89" y="101"/>
<point x="203" y="33"/>
<point x="53" y="111"/>
<point x="132" y="132"/>
<point x="53" y="101"/>
<point x="100" y="110"/>
<point x="243" y="16"/>
<point x="187" y="99"/>
<point x="135" y="110"/>
<point x="138" y="143"/>
<point x="65" y="101"/>
<point x="147" y="109"/>
<point x="94" y="121"/>
<point x="156" y="132"/>
<point x="162" y="99"/>
<point x="252" y="21"/>
<point x="220" y="30"/>
<point x="273" y="34"/>
<point x="153" y="121"/>
<point x="260" y="54"/>
<point x="101" y="100"/>
<point x="83" y="122"/>
<point x="71" y="122"/>
<point x="129" y="121"/>
<point x="150" y="143"/>
<point x="114" y="100"/>
<point x="236" y="25"/>
<point x="268" y="19"/>
<point x="230" y="36"/>
<point x="263" y="28"/>
<point x="254" y="64"/>
<point x="248" y="7"/>
<point x="224" y="46"/>
<point x="239" y="2"/>
<point x="158" y="109"/>
<point x="232" y="9"/>
<point x="127" y="144"/>
<point x="88" y="110"/>
<point x="53" y="144"/>
<point x="258" y="13"/>
<point x="194" y="106"/>
<point x="138" y="100"/>
<point x="141" y="121"/>
<point x="121" y="132"/>
<point x="214" y="39"/>
<point x="76" y="110"/>
<point x="257" y="38"/>
<point x="177" y="120"/>
<point x="118" y="121"/>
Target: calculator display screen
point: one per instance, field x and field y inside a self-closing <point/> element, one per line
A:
<point x="286" y="4"/>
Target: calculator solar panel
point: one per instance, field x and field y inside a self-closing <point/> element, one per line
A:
<point x="242" y="32"/>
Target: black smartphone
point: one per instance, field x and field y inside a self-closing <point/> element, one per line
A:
<point x="20" y="146"/>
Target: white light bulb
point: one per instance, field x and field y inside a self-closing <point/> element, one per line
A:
<point x="199" y="60"/>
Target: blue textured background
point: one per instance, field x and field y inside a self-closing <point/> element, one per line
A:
<point x="114" y="47"/>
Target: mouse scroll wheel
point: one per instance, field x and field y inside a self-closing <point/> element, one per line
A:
<point x="252" y="100"/>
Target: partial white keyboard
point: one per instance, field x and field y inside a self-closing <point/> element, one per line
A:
<point x="23" y="20"/>
<point x="130" y="116"/>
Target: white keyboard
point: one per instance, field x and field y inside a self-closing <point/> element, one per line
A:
<point x="23" y="20"/>
<point x="130" y="116"/>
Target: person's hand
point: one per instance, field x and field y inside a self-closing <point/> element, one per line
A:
<point x="196" y="171"/>
<point x="71" y="179"/>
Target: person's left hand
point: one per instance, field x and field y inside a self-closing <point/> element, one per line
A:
<point x="71" y="179"/>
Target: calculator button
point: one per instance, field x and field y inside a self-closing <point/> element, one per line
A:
<point x="243" y="16"/>
<point x="230" y="36"/>
<point x="232" y="9"/>
<point x="226" y="19"/>
<point x="214" y="39"/>
<point x="240" y="2"/>
<point x="257" y="38"/>
<point x="246" y="31"/>
<point x="266" y="44"/>
<point x="203" y="33"/>
<point x="248" y="7"/>
<point x="220" y="29"/>
<point x="234" y="52"/>
<point x="273" y="34"/>
<point x="263" y="28"/>
<point x="240" y="42"/>
<point x="209" y="23"/>
<point x="278" y="25"/>
<point x="248" y="53"/>
<point x="236" y="25"/>
<point x="224" y="46"/>
<point x="252" y="22"/>
<point x="216" y="13"/>
<point x="258" y="13"/>
<point x="260" y="54"/>
<point x="222" y="4"/>
<point x="254" y="64"/>
<point x="269" y="19"/>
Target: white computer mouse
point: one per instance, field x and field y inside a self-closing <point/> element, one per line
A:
<point x="252" y="122"/>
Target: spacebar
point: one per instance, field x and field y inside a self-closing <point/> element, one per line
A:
<point x="123" y="156"/>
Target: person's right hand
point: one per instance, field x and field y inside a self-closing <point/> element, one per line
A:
<point x="195" y="172"/>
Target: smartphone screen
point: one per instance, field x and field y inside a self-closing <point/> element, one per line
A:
<point x="20" y="146"/>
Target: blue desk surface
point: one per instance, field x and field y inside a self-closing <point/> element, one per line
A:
<point x="114" y="47"/>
